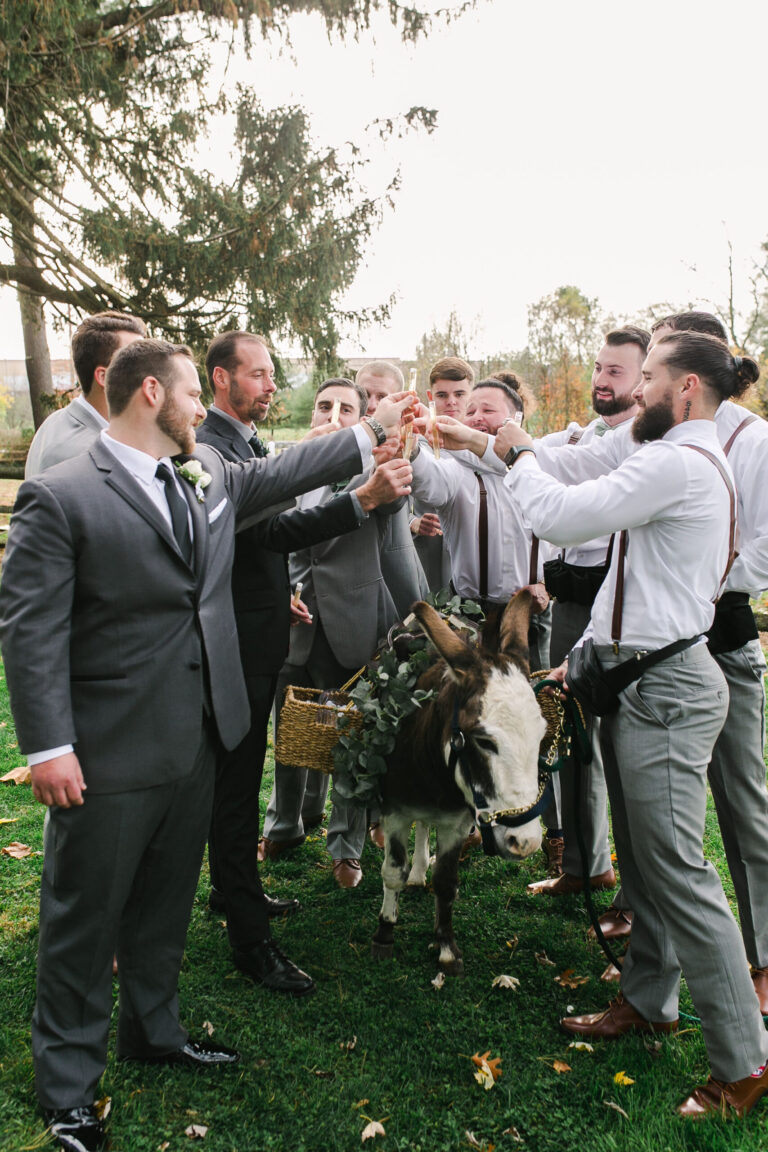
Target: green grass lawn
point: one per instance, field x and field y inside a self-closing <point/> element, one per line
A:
<point x="377" y="1041"/>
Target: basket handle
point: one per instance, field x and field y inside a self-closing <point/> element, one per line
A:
<point x="352" y="679"/>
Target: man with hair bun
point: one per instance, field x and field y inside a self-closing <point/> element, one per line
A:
<point x="675" y="500"/>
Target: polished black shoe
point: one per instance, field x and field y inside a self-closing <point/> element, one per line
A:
<point x="268" y="965"/>
<point x="199" y="1054"/>
<point x="278" y="906"/>
<point x="77" y="1129"/>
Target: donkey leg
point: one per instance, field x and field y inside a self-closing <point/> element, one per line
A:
<point x="445" y="881"/>
<point x="393" y="872"/>
<point x="417" y="877"/>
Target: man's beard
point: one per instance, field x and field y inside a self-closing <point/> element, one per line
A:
<point x="176" y="426"/>
<point x="653" y="423"/>
<point x="612" y="406"/>
<point x="248" y="410"/>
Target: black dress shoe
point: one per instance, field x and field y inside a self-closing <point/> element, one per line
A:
<point x="278" y="906"/>
<point x="267" y="965"/>
<point x="77" y="1129"/>
<point x="198" y="1054"/>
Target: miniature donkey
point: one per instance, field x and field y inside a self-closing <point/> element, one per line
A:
<point x="484" y="706"/>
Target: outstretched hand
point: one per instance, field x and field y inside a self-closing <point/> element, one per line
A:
<point x="388" y="483"/>
<point x="510" y="435"/>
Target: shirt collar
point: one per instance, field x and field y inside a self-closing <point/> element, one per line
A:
<point x="140" y="464"/>
<point x="247" y="431"/>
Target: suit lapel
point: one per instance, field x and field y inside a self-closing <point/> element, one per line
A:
<point x="126" y="486"/>
<point x="199" y="521"/>
<point x="223" y="428"/>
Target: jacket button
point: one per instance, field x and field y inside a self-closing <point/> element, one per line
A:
<point x="194" y="665"/>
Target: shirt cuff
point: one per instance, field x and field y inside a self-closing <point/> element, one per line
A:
<point x="39" y="757"/>
<point x="359" y="510"/>
<point x="363" y="442"/>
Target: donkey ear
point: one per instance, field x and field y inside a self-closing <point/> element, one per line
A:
<point x="513" y="631"/>
<point x="457" y="654"/>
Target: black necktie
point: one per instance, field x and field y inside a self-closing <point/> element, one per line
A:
<point x="258" y="446"/>
<point x="179" y="511"/>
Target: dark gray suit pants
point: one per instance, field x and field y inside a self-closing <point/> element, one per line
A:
<point x="119" y="875"/>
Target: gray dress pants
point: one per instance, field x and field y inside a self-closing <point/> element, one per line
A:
<point x="737" y="780"/>
<point x="569" y="621"/>
<point x="119" y="876"/>
<point x="656" y="749"/>
<point x="298" y="795"/>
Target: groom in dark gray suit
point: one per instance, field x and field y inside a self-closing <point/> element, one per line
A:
<point x="118" y="631"/>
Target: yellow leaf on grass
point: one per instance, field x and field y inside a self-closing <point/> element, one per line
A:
<point x="361" y="1103"/>
<point x="20" y="775"/>
<point x="488" y="1070"/>
<point x="581" y="1046"/>
<point x="568" y="979"/>
<point x="561" y="1066"/>
<point x="16" y="850"/>
<point x="103" y="1107"/>
<point x="622" y="1078"/>
<point x="9" y="820"/>
<point x="372" y="1130"/>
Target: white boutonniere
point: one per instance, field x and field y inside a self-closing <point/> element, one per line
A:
<point x="192" y="470"/>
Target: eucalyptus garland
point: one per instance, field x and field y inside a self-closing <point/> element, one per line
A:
<point x="385" y="695"/>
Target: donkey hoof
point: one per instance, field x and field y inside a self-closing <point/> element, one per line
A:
<point x="452" y="967"/>
<point x="381" y="951"/>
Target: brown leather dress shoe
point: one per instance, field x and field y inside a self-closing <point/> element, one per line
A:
<point x="616" y="1020"/>
<point x="715" y="1097"/>
<point x="376" y="835"/>
<point x="274" y="849"/>
<point x="616" y="924"/>
<point x="760" y="981"/>
<point x="567" y="885"/>
<point x="347" y="873"/>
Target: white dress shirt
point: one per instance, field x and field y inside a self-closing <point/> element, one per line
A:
<point x="593" y="552"/>
<point x="449" y="485"/>
<point x="677" y="509"/>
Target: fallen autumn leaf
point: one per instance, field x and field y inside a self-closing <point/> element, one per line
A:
<point x="505" y="981"/>
<point x="372" y="1130"/>
<point x="20" y="775"/>
<point x="16" y="850"/>
<point x="622" y="1078"/>
<point x="196" y="1131"/>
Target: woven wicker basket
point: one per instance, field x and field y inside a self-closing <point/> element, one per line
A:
<point x="309" y="730"/>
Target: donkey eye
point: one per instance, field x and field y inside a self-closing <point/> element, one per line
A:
<point x="486" y="743"/>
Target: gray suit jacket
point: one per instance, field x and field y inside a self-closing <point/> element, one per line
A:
<point x="111" y="641"/>
<point x="400" y="564"/>
<point x="67" y="432"/>
<point x="344" y="585"/>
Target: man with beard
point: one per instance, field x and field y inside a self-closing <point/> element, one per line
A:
<point x="573" y="581"/>
<point x="118" y="635"/>
<point x="674" y="503"/>
<point x="241" y="374"/>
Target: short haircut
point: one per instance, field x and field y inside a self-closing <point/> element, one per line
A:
<point x="709" y="358"/>
<point x="222" y="351"/>
<point x="629" y="334"/>
<point x="693" y="322"/>
<point x="514" y="401"/>
<point x="134" y="363"/>
<point x="452" y="368"/>
<point x="341" y="381"/>
<point x="95" y="342"/>
<point x="382" y="368"/>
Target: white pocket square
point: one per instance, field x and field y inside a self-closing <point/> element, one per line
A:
<point x="217" y="511"/>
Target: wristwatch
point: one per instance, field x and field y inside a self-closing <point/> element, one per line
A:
<point x="515" y="451"/>
<point x="376" y="428"/>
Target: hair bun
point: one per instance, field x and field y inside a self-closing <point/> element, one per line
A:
<point x="747" y="372"/>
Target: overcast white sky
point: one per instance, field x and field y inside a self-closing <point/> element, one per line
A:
<point x="609" y="145"/>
